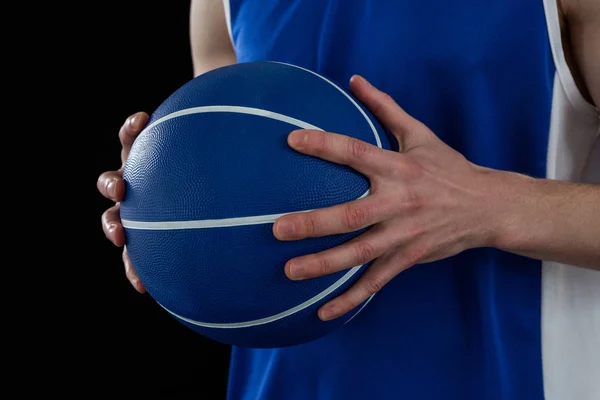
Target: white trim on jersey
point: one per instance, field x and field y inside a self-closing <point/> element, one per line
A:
<point x="570" y="295"/>
<point x="227" y="10"/>
<point x="570" y="318"/>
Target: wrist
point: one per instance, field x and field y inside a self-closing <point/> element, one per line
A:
<point x="508" y="206"/>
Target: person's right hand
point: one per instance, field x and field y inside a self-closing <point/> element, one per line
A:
<point x="111" y="185"/>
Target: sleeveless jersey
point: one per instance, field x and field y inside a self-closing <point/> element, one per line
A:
<point x="490" y="79"/>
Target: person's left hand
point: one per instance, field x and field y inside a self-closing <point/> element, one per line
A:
<point x="427" y="202"/>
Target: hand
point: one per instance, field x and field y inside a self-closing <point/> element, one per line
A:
<point x="111" y="185"/>
<point x="427" y="202"/>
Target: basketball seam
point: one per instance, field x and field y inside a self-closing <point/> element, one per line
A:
<point x="211" y="223"/>
<point x="240" y="221"/>
<point x="330" y="289"/>
<point x="366" y="117"/>
<point x="236" y="110"/>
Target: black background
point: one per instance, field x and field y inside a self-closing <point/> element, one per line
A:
<point x="131" y="56"/>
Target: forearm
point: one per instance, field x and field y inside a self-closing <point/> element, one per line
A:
<point x="210" y="42"/>
<point x="204" y="65"/>
<point x="545" y="219"/>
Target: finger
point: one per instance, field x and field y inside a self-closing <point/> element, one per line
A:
<point x="356" y="252"/>
<point x="131" y="128"/>
<point x="130" y="273"/>
<point x="111" y="185"/>
<point x="408" y="131"/>
<point x="111" y="224"/>
<point x="383" y="270"/>
<point x="362" y="156"/>
<point x="343" y="218"/>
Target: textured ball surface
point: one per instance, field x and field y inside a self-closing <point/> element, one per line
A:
<point x="206" y="179"/>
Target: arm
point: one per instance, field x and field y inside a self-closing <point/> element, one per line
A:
<point x="210" y="43"/>
<point x="428" y="203"/>
<point x="545" y="219"/>
<point x="552" y="220"/>
<point x="211" y="48"/>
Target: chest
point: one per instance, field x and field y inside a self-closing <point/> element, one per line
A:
<point x="341" y="37"/>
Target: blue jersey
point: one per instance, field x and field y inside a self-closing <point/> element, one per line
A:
<point x="490" y="79"/>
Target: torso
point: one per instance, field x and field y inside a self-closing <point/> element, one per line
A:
<point x="483" y="77"/>
<point x="569" y="43"/>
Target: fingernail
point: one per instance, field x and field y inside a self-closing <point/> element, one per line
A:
<point x="297" y="270"/>
<point x="363" y="80"/>
<point x="285" y="228"/>
<point x="111" y="188"/>
<point x="134" y="121"/>
<point x="135" y="283"/>
<point x="327" y="312"/>
<point x="297" y="139"/>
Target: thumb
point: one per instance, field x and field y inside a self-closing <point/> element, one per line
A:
<point x="408" y="131"/>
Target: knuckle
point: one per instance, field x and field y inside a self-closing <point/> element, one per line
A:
<point x="320" y="141"/>
<point x="101" y="183"/>
<point x="311" y="225"/>
<point x="364" y="252"/>
<point x="354" y="217"/>
<point x="349" y="303"/>
<point x="386" y="101"/>
<point x="417" y="255"/>
<point x="132" y="123"/>
<point x="358" y="148"/>
<point x="412" y="201"/>
<point x="107" y="215"/>
<point x="123" y="134"/>
<point x="129" y="271"/>
<point x="325" y="266"/>
<point x="102" y="177"/>
<point x="373" y="285"/>
<point x="110" y="216"/>
<point x="130" y="128"/>
<point x="415" y="230"/>
<point x="412" y="170"/>
<point x="104" y="219"/>
<point x="106" y="177"/>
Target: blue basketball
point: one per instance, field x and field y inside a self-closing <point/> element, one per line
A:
<point x="207" y="178"/>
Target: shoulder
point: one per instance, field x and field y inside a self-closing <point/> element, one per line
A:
<point x="579" y="11"/>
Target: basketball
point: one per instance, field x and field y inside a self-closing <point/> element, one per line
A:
<point x="207" y="178"/>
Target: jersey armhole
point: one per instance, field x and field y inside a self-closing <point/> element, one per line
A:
<point x="227" y="11"/>
<point x="565" y="76"/>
